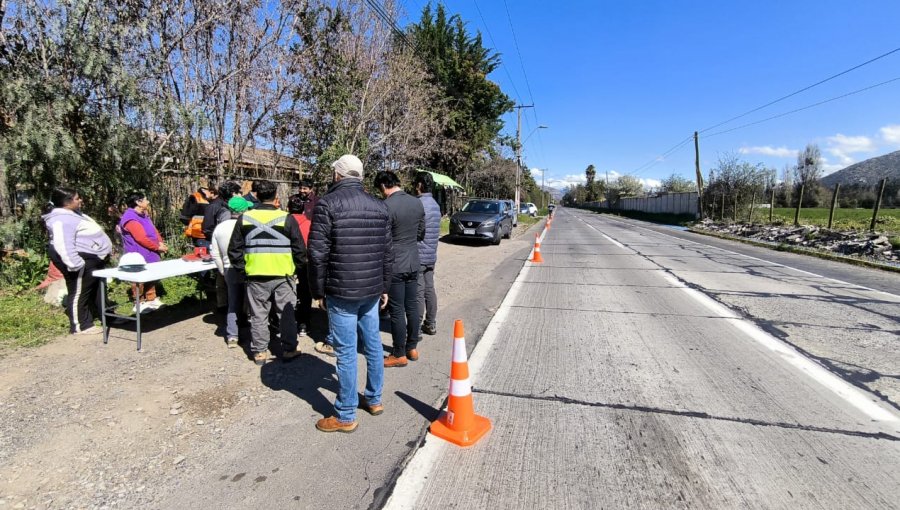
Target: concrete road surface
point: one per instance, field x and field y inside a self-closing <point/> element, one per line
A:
<point x="636" y="368"/>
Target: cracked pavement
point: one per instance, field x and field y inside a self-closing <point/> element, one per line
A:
<point x="635" y="367"/>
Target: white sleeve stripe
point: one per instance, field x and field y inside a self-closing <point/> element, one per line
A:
<point x="59" y="244"/>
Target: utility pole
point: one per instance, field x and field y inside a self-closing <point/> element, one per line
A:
<point x="518" y="108"/>
<point x="699" y="175"/>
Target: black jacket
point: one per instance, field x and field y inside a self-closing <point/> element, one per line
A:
<point x="216" y="212"/>
<point x="407" y="229"/>
<point x="350" y="253"/>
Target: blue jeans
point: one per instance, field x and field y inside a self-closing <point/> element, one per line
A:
<point x="236" y="290"/>
<point x="344" y="315"/>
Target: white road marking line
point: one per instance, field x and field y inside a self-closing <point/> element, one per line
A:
<point x="849" y="393"/>
<point x="416" y="472"/>
<point x="762" y="260"/>
<point x="610" y="239"/>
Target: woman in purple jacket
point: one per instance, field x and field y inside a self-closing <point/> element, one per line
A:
<point x="139" y="235"/>
<point x="78" y="247"/>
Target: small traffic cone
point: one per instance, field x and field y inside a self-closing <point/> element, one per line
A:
<point x="459" y="424"/>
<point x="536" y="258"/>
<point x="549" y="221"/>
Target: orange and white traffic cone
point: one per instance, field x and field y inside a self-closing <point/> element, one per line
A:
<point x="459" y="424"/>
<point x="549" y="221"/>
<point x="536" y="258"/>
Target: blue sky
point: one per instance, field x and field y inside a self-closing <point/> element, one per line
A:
<point x="618" y="83"/>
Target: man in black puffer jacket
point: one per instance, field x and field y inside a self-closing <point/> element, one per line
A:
<point x="350" y="259"/>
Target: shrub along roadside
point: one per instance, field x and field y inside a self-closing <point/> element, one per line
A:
<point x="27" y="321"/>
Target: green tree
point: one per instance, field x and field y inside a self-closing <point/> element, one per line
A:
<point x="67" y="97"/>
<point x="459" y="66"/>
<point x="677" y="184"/>
<point x="738" y="182"/>
<point x="628" y="186"/>
<point x="590" y="173"/>
<point x="808" y="172"/>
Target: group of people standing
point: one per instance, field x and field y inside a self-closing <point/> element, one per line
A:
<point x="355" y="255"/>
<point x="347" y="250"/>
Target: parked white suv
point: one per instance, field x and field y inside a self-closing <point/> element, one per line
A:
<point x="528" y="208"/>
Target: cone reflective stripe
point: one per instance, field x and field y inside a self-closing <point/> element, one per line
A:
<point x="537" y="250"/>
<point x="459" y="424"/>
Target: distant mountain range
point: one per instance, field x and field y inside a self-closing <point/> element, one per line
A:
<point x="555" y="194"/>
<point x="868" y="172"/>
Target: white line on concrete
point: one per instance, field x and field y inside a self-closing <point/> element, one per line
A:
<point x="790" y="355"/>
<point x="610" y="239"/>
<point x="411" y="482"/>
<point x="757" y="259"/>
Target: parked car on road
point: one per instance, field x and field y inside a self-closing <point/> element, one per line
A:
<point x="482" y="218"/>
<point x="511" y="208"/>
<point x="528" y="208"/>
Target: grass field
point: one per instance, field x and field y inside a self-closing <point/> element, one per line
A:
<point x="844" y="219"/>
<point x="27" y="321"/>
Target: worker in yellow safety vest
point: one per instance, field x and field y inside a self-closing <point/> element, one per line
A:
<point x="267" y="248"/>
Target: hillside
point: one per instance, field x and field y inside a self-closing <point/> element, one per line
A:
<point x="868" y="172"/>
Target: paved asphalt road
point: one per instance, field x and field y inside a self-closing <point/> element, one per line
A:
<point x="638" y="368"/>
<point x="275" y="458"/>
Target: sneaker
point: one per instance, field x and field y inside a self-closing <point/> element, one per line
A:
<point x="260" y="358"/>
<point x="412" y="355"/>
<point x="332" y="424"/>
<point x="231" y="342"/>
<point x="429" y="330"/>
<point x="301" y="330"/>
<point x="324" y="348"/>
<point x="288" y="356"/>
<point x="393" y="361"/>
<point x="374" y="410"/>
<point x="93" y="330"/>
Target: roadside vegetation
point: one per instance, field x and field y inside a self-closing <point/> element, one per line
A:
<point x="525" y="219"/>
<point x="26" y="320"/>
<point x="888" y="220"/>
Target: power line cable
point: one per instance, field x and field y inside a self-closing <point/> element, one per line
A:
<point x="870" y="87"/>
<point x="494" y="44"/>
<point x="804" y="89"/>
<point x="661" y="157"/>
<point x="386" y="17"/>
<point x="522" y="64"/>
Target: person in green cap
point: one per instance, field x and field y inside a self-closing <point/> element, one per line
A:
<point x="234" y="281"/>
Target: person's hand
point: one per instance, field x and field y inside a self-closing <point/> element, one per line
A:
<point x="384" y="301"/>
<point x="320" y="304"/>
<point x="163" y="247"/>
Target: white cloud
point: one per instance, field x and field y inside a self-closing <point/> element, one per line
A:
<point x="830" y="168"/>
<point x="765" y="150"/>
<point x="651" y="183"/>
<point x="564" y="182"/>
<point x="891" y="134"/>
<point x="842" y="146"/>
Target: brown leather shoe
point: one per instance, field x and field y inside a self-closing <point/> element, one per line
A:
<point x="373" y="410"/>
<point x="393" y="361"/>
<point x="412" y="354"/>
<point x="332" y="424"/>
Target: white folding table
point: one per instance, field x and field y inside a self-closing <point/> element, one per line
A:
<point x="154" y="271"/>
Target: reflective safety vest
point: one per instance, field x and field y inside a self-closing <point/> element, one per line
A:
<point x="195" y="226"/>
<point x="267" y="250"/>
